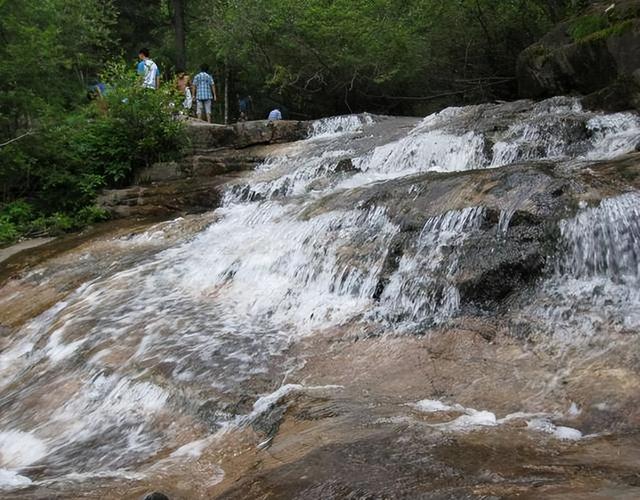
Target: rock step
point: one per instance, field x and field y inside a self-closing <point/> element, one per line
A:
<point x="206" y="136"/>
<point x="177" y="196"/>
<point x="216" y="154"/>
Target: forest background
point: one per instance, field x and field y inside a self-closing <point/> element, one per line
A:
<point x="311" y="58"/>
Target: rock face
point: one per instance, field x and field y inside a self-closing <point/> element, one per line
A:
<point x="205" y="136"/>
<point x="216" y="154"/>
<point x="596" y="54"/>
<point x="508" y="253"/>
<point x="174" y="196"/>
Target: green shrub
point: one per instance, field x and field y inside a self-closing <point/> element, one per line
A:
<point x="19" y="212"/>
<point x="131" y="128"/>
<point x="8" y="231"/>
<point x="50" y="179"/>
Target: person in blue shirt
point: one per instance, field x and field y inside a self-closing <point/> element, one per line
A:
<point x="203" y="88"/>
<point x="148" y="70"/>
<point x="274" y="115"/>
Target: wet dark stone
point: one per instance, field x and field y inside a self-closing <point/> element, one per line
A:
<point x="621" y="95"/>
<point x="268" y="422"/>
<point x="156" y="495"/>
<point x="391" y="262"/>
<point x="346" y="166"/>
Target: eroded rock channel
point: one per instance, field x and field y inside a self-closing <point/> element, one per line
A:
<point x="390" y="308"/>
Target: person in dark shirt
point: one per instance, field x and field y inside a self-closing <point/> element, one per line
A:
<point x="245" y="106"/>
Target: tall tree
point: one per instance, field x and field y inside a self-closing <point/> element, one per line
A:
<point x="178" y="21"/>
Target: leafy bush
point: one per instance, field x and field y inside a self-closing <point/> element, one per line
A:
<point x="8" y="231"/>
<point x="20" y="218"/>
<point x="131" y="128"/>
<point x="56" y="172"/>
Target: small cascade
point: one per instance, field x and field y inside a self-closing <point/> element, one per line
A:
<point x="336" y="125"/>
<point x="604" y="241"/>
<point x="421" y="290"/>
<point x="594" y="289"/>
<point x="287" y="176"/>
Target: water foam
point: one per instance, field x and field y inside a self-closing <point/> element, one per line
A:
<point x="328" y="127"/>
<point x="472" y="419"/>
<point x="10" y="480"/>
<point x="19" y="449"/>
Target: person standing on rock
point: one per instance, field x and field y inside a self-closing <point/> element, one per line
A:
<point x="245" y="106"/>
<point x="148" y="70"/>
<point x="204" y="88"/>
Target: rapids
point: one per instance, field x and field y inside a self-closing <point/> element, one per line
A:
<point x="157" y="347"/>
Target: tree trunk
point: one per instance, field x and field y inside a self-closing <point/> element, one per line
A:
<point x="178" y="7"/>
<point x="226" y="94"/>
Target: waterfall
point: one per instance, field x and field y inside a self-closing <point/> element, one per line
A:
<point x="101" y="383"/>
<point x="604" y="240"/>
<point x="594" y="287"/>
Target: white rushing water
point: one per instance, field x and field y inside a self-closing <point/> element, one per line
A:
<point x="93" y="385"/>
<point x="595" y="285"/>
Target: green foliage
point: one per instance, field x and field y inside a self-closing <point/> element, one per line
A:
<point x="49" y="50"/>
<point x="8" y="231"/>
<point x="20" y="218"/>
<point x="584" y="26"/>
<point x="320" y="58"/>
<point x="12" y="217"/>
<point x="131" y="128"/>
<point x="616" y="29"/>
<point x="61" y="167"/>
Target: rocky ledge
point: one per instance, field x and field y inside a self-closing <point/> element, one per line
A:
<point x="215" y="155"/>
<point x="596" y="54"/>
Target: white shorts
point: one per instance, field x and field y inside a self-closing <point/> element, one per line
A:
<point x="206" y="104"/>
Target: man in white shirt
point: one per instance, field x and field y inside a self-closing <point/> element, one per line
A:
<point x="149" y="70"/>
<point x="275" y="115"/>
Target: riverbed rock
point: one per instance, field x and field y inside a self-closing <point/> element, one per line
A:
<point x="216" y="154"/>
<point x="190" y="195"/>
<point x="207" y="136"/>
<point x="507" y="255"/>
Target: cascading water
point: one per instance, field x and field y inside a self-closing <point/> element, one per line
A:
<point x="106" y="382"/>
<point x="594" y="287"/>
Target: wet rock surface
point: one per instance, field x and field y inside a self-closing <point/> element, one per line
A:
<point x="393" y="308"/>
<point x="519" y="232"/>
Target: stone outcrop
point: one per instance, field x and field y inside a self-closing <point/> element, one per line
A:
<point x="500" y="263"/>
<point x="172" y="196"/>
<point x="596" y="54"/>
<point x="216" y="154"/>
<point x="205" y="137"/>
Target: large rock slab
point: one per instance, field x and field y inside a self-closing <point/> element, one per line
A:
<point x="178" y="196"/>
<point x="597" y="53"/>
<point x="206" y="137"/>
